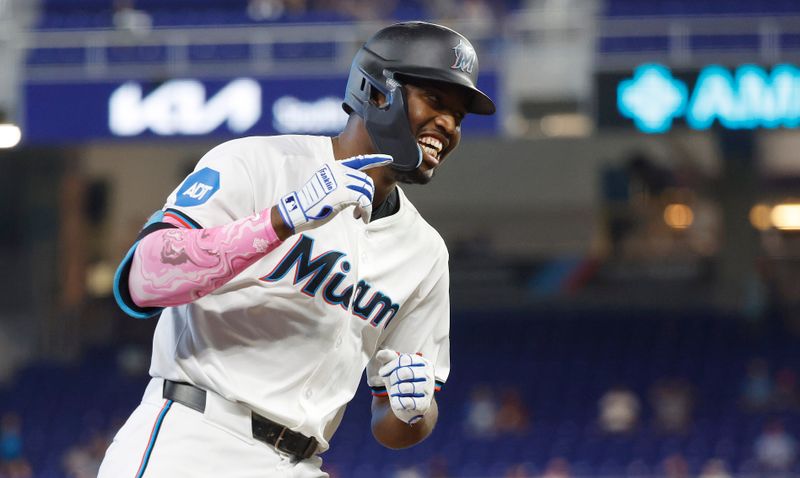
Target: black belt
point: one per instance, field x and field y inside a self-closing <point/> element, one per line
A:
<point x="264" y="429"/>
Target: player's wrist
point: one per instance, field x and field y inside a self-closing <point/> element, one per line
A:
<point x="282" y="230"/>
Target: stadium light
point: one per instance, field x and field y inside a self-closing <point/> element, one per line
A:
<point x="10" y="135"/>
<point x="786" y="216"/>
<point x="678" y="216"/>
<point x="760" y="216"/>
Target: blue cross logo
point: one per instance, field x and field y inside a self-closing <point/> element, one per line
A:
<point x="652" y="98"/>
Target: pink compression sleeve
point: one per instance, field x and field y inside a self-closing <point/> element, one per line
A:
<point x="177" y="266"/>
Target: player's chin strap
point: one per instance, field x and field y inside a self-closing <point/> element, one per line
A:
<point x="389" y="130"/>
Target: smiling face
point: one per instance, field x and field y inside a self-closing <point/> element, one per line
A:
<point x="435" y="112"/>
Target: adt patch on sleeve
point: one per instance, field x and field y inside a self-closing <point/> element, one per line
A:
<point x="198" y="188"/>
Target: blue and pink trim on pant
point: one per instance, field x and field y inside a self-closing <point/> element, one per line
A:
<point x="152" y="440"/>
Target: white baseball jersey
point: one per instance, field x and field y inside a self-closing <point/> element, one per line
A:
<point x="291" y="335"/>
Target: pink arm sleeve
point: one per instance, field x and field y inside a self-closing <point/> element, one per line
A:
<point x="177" y="266"/>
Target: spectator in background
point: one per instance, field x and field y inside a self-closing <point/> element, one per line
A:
<point x="133" y="361"/>
<point x="775" y="450"/>
<point x="295" y="7"/>
<point x="648" y="178"/>
<point x="410" y="472"/>
<point x="476" y="11"/>
<point x="481" y="412"/>
<point x="513" y="416"/>
<point x="10" y="437"/>
<point x="83" y="460"/>
<point x="785" y="395"/>
<point x="672" y="401"/>
<point x="556" y="468"/>
<point x="12" y="462"/>
<point x="78" y="463"/>
<point x="715" y="468"/>
<point x="438" y="467"/>
<point x="675" y="466"/>
<point x="633" y="194"/>
<point x="16" y="469"/>
<point x="618" y="410"/>
<point x="519" y="470"/>
<point x="265" y="10"/>
<point x="127" y="17"/>
<point x="757" y="387"/>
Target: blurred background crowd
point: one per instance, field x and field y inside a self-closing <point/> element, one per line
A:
<point x="624" y="233"/>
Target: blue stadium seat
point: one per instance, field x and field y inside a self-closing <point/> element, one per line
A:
<point x="561" y="364"/>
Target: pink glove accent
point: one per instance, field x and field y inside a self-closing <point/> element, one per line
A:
<point x="177" y="266"/>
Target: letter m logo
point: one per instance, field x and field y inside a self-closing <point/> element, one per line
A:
<point x="315" y="270"/>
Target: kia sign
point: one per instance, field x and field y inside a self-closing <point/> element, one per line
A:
<point x="181" y="107"/>
<point x="189" y="107"/>
<point x="653" y="98"/>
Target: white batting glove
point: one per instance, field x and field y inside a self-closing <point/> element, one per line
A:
<point x="336" y="186"/>
<point x="410" y="383"/>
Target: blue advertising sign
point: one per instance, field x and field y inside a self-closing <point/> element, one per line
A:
<point x="189" y="107"/>
<point x="748" y="97"/>
<point x="652" y="98"/>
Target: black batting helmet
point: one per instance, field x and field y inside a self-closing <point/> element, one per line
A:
<point x="404" y="52"/>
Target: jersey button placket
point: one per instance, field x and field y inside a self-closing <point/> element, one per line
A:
<point x="362" y="253"/>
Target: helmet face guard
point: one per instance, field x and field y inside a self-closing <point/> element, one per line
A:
<point x="414" y="50"/>
<point x="389" y="129"/>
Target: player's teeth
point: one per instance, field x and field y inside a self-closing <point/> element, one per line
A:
<point x="431" y="151"/>
<point x="432" y="142"/>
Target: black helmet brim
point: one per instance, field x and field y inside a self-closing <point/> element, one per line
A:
<point x="479" y="102"/>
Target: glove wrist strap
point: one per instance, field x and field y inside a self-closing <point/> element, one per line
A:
<point x="291" y="211"/>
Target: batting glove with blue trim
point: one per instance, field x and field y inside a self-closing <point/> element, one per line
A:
<point x="409" y="382"/>
<point x="333" y="188"/>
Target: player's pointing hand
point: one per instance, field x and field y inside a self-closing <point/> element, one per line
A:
<point x="333" y="188"/>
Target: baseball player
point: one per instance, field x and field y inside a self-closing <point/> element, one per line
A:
<point x="285" y="266"/>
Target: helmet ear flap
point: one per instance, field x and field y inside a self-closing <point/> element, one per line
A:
<point x="383" y="108"/>
<point x="391" y="132"/>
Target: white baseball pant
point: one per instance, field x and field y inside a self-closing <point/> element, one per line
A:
<point x="164" y="439"/>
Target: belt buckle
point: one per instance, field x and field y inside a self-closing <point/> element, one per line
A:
<point x="279" y="439"/>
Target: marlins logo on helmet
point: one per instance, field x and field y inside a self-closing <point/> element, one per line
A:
<point x="465" y="57"/>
